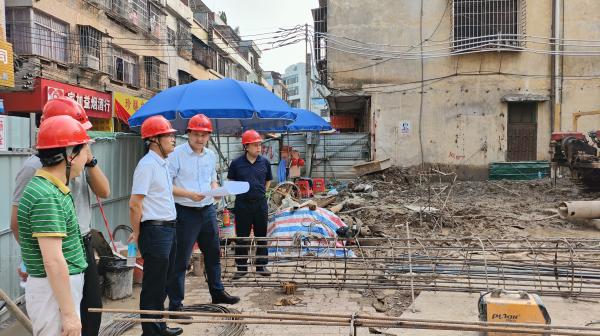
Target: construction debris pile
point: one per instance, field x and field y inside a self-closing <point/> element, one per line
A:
<point x="436" y="204"/>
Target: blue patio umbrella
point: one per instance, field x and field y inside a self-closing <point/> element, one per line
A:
<point x="233" y="106"/>
<point x="307" y="121"/>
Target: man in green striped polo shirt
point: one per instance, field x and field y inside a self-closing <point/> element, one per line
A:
<point x="49" y="234"/>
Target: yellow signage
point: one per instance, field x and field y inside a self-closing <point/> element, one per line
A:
<point x="7" y="72"/>
<point x="125" y="105"/>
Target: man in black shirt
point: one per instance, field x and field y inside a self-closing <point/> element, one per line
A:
<point x="251" y="209"/>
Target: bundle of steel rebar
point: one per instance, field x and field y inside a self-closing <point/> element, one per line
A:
<point x="356" y="320"/>
<point x="546" y="266"/>
<point x="122" y="322"/>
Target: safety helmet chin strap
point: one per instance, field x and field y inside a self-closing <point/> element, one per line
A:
<point x="162" y="151"/>
<point x="67" y="153"/>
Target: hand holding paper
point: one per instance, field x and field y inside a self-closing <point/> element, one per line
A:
<point x="229" y="188"/>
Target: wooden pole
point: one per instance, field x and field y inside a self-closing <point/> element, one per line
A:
<point x="16" y="311"/>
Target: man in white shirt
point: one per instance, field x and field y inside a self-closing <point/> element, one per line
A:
<point x="193" y="168"/>
<point x="152" y="216"/>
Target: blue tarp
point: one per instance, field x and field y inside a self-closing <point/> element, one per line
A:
<point x="233" y="106"/>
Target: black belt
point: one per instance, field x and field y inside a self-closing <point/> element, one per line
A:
<point x="170" y="223"/>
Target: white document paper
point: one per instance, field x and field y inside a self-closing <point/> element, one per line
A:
<point x="229" y="188"/>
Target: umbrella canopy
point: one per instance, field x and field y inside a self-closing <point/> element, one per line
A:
<point x="232" y="105"/>
<point x="307" y="121"/>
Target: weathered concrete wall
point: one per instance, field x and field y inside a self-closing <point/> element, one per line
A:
<point x="463" y="119"/>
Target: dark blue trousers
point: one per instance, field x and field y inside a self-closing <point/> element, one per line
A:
<point x="195" y="225"/>
<point x="251" y="214"/>
<point x="158" y="246"/>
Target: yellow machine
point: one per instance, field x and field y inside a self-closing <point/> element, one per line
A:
<point x="511" y="306"/>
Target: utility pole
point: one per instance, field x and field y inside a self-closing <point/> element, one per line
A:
<point x="307" y="65"/>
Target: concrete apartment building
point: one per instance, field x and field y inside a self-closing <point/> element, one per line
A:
<point x="277" y="84"/>
<point x="460" y="83"/>
<point x="113" y="55"/>
<point x="295" y="80"/>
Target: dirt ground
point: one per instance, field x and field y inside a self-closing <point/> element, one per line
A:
<point x="495" y="209"/>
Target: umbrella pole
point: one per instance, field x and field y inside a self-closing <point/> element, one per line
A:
<point x="324" y="154"/>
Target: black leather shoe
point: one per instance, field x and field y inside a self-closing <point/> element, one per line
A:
<point x="171" y="332"/>
<point x="239" y="274"/>
<point x="180" y="317"/>
<point x="263" y="270"/>
<point x="224" y="297"/>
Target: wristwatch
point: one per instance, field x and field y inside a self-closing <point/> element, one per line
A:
<point x="92" y="163"/>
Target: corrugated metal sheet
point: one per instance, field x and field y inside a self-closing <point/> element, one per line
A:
<point x="335" y="154"/>
<point x="10" y="258"/>
<point x="118" y="166"/>
<point x="17" y="137"/>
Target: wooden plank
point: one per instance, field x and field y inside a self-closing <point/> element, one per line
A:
<point x="372" y="167"/>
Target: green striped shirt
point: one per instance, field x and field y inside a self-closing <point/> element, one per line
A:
<point x="46" y="210"/>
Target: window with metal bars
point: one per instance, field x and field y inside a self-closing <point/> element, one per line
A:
<point x="156" y="22"/>
<point x="123" y="66"/>
<point x="34" y="32"/>
<point x="184" y="40"/>
<point x="203" y="54"/>
<point x="184" y="77"/>
<point x="171" y="37"/>
<point x="90" y="47"/>
<point x="156" y="73"/>
<point x="488" y="24"/>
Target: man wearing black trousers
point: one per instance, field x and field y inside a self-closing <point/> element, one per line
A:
<point x="251" y="209"/>
<point x="193" y="169"/>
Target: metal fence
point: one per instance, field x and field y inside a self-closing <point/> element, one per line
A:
<point x="118" y="155"/>
<point x="17" y="141"/>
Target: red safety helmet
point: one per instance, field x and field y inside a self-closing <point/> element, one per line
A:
<point x="250" y="136"/>
<point x="156" y="125"/>
<point x="201" y="123"/>
<point x="66" y="106"/>
<point x="61" y="131"/>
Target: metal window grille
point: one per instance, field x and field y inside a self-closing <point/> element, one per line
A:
<point x="320" y="46"/>
<point x="184" y="40"/>
<point x="156" y="73"/>
<point x="184" y="77"/>
<point x="18" y="30"/>
<point x="203" y="54"/>
<point x="50" y="37"/>
<point x="123" y="66"/>
<point x="156" y="22"/>
<point x="488" y="24"/>
<point x="171" y="37"/>
<point x="134" y="12"/>
<point x="91" y="45"/>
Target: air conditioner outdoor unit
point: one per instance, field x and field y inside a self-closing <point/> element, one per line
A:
<point x="91" y="62"/>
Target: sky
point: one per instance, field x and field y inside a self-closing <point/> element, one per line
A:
<point x="261" y="16"/>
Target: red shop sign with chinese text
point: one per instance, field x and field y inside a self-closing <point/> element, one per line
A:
<point x="96" y="104"/>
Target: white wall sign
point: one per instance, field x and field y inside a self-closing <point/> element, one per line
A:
<point x="404" y="128"/>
